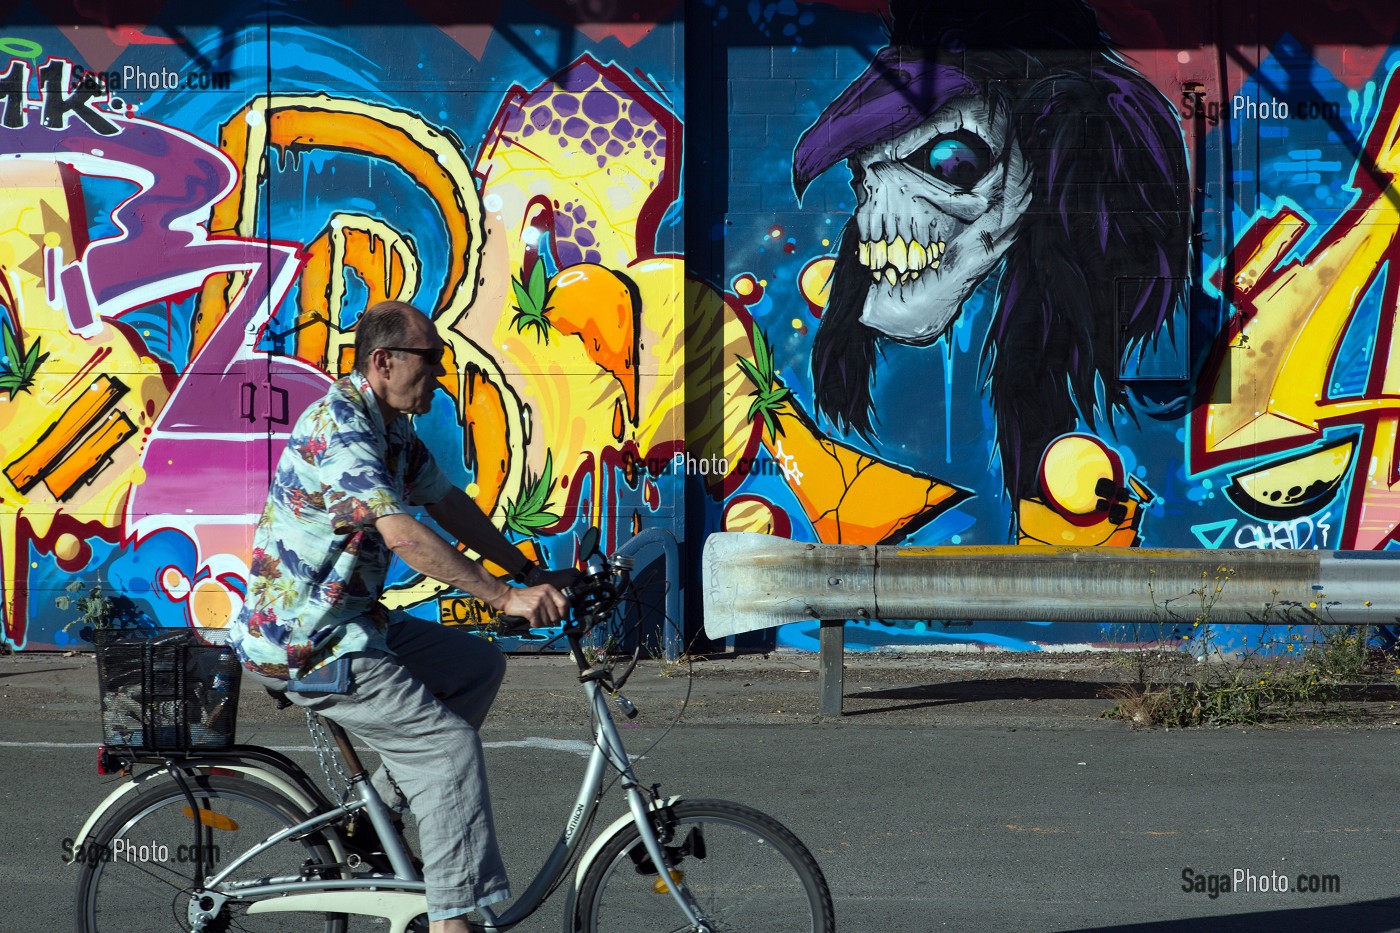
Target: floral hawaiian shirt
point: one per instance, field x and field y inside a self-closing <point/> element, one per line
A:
<point x="318" y="562"/>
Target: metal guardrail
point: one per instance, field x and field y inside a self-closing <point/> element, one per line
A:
<point x="754" y="581"/>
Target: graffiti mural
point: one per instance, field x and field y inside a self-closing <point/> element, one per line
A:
<point x="986" y="236"/>
<point x="188" y="252"/>
<point x="1035" y="273"/>
<point x="1303" y="395"/>
<point x="1057" y="166"/>
<point x="1115" y="282"/>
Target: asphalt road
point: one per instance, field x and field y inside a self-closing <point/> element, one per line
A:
<point x="1063" y="823"/>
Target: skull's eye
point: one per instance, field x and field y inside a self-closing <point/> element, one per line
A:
<point x="958" y="159"/>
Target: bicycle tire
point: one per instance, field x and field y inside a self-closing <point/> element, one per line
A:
<point x="745" y="869"/>
<point x="136" y="865"/>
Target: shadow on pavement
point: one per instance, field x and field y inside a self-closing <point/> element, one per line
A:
<point x="979" y="691"/>
<point x="40" y="670"/>
<point x="1040" y="688"/>
<point x="1382" y="916"/>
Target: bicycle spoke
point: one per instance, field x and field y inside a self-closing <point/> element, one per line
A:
<point x="741" y="869"/>
<point x="120" y="894"/>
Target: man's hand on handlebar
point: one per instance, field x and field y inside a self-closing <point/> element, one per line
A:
<point x="541" y="604"/>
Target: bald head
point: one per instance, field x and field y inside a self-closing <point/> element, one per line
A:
<point x="387" y="324"/>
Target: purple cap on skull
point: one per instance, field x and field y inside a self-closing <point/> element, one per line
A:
<point x="900" y="90"/>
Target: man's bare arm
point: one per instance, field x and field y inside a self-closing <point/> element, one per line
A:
<point x="427" y="553"/>
<point x="462" y="518"/>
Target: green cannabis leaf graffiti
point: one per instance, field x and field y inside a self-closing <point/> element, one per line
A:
<point x="532" y="302"/>
<point x="17" y="373"/>
<point x="531" y="512"/>
<point x="768" y="397"/>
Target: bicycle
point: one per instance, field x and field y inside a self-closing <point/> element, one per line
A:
<point x="174" y="841"/>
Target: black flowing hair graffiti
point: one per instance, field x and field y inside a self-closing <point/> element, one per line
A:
<point x="1099" y="260"/>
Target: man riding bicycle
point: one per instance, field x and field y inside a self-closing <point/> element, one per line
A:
<point x="312" y="626"/>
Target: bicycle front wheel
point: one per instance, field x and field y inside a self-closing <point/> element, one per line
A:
<point x="744" y="869"/>
<point x="139" y="864"/>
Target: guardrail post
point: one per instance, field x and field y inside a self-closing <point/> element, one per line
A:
<point x="831" y="667"/>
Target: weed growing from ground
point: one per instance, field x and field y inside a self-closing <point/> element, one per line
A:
<point x="1282" y="671"/>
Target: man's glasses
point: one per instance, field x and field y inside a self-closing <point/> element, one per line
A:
<point x="432" y="355"/>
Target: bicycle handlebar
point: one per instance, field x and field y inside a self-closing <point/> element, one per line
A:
<point x="591" y="598"/>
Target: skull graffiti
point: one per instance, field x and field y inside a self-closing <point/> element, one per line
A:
<point x="936" y="209"/>
<point x="1008" y="143"/>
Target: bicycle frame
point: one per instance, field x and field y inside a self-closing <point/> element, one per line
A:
<point x="401" y="897"/>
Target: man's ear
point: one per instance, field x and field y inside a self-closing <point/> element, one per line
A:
<point x="379" y="360"/>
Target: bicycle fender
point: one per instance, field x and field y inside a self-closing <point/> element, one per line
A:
<point x="271" y="779"/>
<point x="614" y="828"/>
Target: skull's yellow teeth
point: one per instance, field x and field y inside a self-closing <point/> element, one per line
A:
<point x="889" y="276"/>
<point x="879" y="252"/>
<point x="918" y="256"/>
<point x="898" y="254"/>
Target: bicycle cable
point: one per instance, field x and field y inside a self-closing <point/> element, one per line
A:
<point x="631" y="599"/>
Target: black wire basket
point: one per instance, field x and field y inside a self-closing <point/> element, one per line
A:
<point x="165" y="690"/>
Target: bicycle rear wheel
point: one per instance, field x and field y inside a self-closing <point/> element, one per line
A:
<point x="139" y="862"/>
<point x="745" y="870"/>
